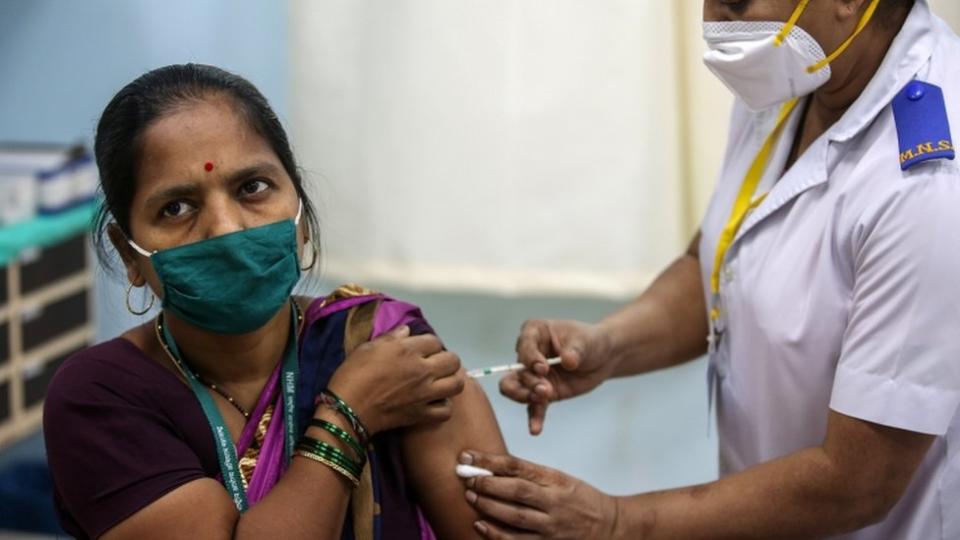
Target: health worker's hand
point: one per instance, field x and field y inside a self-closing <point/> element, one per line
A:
<point x="585" y="352"/>
<point x="525" y="501"/>
<point x="399" y="380"/>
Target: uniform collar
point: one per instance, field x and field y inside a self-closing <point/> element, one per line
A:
<point x="909" y="52"/>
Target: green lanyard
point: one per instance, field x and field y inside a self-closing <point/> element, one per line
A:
<point x="226" y="451"/>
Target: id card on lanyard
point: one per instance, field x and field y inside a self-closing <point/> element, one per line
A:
<point x="226" y="450"/>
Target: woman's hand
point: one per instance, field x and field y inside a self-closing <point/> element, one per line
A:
<point x="399" y="380"/>
<point x="528" y="501"/>
<point x="585" y="352"/>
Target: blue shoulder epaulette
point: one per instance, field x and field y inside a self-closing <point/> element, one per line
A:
<point x="922" y="125"/>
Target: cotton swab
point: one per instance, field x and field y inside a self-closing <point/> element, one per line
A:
<point x="469" y="471"/>
<point x="483" y="372"/>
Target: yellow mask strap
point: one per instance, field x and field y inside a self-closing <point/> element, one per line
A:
<point x="791" y="22"/>
<point x="860" y="26"/>
<point x="745" y="200"/>
<point x="798" y="11"/>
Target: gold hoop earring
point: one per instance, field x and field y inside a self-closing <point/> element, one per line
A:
<point x="146" y="309"/>
<point x="313" y="258"/>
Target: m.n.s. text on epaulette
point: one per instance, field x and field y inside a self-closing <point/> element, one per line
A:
<point x="922" y="124"/>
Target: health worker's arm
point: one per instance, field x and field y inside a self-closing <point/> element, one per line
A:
<point x="851" y="481"/>
<point x="667" y="324"/>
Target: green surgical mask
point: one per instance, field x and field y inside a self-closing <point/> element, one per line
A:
<point x="233" y="283"/>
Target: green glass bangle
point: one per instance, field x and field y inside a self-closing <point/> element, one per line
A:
<point x="316" y="443"/>
<point x="345" y="463"/>
<point x="328" y="450"/>
<point x="340" y="470"/>
<point x="340" y="462"/>
<point x="341" y="434"/>
<point x="328" y="398"/>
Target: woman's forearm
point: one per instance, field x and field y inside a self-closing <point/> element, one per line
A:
<point x="310" y="501"/>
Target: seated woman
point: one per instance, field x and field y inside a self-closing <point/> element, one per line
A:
<point x="240" y="411"/>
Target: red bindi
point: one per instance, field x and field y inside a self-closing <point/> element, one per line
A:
<point x="208" y="166"/>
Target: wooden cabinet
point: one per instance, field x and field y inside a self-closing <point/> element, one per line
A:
<point x="46" y="301"/>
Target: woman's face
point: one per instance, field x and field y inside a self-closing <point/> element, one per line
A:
<point x="203" y="172"/>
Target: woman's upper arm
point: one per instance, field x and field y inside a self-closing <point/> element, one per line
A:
<point x="111" y="448"/>
<point x="430" y="458"/>
<point x="198" y="509"/>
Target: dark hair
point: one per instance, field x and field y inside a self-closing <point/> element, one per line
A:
<point x="160" y="92"/>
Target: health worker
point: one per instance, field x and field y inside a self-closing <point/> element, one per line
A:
<point x="823" y="284"/>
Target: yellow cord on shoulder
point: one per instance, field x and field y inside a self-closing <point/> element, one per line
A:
<point x="745" y="197"/>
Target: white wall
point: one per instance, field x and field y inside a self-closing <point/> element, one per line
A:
<point x="948" y="10"/>
<point x="492" y="145"/>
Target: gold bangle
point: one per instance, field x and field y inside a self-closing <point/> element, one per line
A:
<point x="320" y="459"/>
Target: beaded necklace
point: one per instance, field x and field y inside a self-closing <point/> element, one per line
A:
<point x="230" y="469"/>
<point x="158" y="328"/>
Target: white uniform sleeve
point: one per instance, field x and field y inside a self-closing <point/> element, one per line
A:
<point x="900" y="359"/>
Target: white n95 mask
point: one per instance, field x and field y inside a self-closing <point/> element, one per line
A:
<point x="744" y="55"/>
<point x="765" y="63"/>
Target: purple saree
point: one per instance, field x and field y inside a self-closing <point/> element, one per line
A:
<point x="383" y="506"/>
